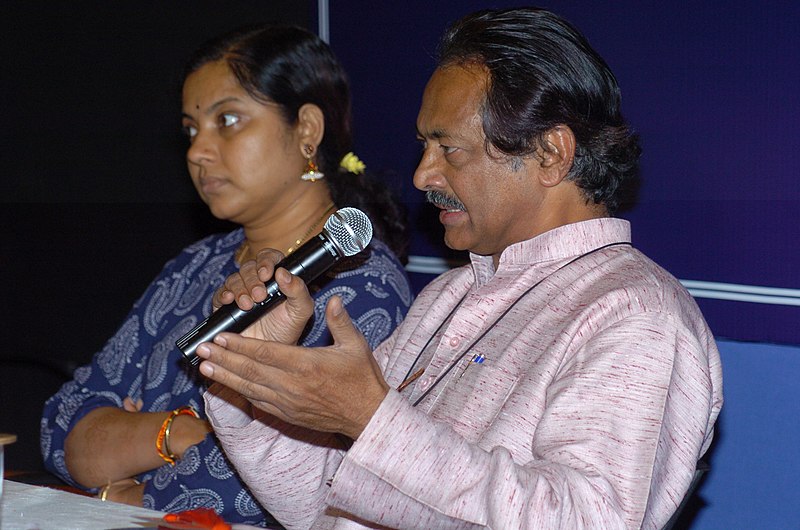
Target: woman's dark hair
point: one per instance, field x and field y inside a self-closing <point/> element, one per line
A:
<point x="290" y="66"/>
<point x="543" y="73"/>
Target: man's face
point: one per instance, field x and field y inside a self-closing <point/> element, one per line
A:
<point x="488" y="201"/>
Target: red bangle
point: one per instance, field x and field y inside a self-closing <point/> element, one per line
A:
<point x="162" y="440"/>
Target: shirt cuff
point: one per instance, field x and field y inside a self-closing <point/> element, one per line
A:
<point x="226" y="408"/>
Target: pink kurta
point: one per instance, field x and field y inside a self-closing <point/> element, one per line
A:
<point x="586" y="405"/>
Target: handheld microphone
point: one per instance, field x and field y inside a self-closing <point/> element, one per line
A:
<point x="347" y="232"/>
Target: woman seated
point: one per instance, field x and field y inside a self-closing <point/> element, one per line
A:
<point x="267" y="113"/>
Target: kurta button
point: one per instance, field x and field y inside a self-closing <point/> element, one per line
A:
<point x="454" y="342"/>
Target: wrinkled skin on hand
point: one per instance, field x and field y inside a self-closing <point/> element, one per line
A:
<point x="285" y="322"/>
<point x="333" y="389"/>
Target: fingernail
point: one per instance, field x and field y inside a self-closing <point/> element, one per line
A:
<point x="207" y="369"/>
<point x="338" y="308"/>
<point x="284" y="276"/>
<point x="219" y="339"/>
<point x="203" y="351"/>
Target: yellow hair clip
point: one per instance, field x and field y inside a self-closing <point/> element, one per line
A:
<point x="351" y="163"/>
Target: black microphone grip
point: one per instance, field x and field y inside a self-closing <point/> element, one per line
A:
<point x="308" y="263"/>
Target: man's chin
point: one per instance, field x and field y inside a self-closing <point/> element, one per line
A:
<point x="453" y="242"/>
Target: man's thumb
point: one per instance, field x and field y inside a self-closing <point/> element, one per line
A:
<point x="339" y="323"/>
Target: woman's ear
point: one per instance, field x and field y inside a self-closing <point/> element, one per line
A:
<point x="557" y="155"/>
<point x="310" y="125"/>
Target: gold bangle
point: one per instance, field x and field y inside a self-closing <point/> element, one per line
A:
<point x="162" y="440"/>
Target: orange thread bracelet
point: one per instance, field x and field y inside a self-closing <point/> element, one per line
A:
<point x="162" y="440"/>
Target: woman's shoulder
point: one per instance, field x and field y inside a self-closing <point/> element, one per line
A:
<point x="379" y="249"/>
<point x="376" y="258"/>
<point x="377" y="271"/>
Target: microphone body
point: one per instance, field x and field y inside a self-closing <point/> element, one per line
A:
<point x="338" y="239"/>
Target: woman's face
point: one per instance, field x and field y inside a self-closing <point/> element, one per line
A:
<point x="244" y="159"/>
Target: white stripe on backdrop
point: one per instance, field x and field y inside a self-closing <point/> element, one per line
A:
<point x="697" y="288"/>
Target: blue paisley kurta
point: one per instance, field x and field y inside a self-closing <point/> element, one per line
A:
<point x="142" y="361"/>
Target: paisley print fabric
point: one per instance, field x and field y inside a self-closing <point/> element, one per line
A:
<point x="141" y="361"/>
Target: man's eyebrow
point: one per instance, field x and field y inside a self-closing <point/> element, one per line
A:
<point x="436" y="134"/>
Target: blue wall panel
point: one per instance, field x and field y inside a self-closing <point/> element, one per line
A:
<point x="713" y="89"/>
<point x="755" y="460"/>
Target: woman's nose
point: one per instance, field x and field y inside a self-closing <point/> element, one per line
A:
<point x="202" y="149"/>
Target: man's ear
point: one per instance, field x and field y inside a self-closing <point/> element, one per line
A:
<point x="310" y="125"/>
<point x="557" y="155"/>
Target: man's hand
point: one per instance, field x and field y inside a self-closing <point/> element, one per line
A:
<point x="333" y="389"/>
<point x="285" y="322"/>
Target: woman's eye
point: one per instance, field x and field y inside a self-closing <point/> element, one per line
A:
<point x="228" y="120"/>
<point x="189" y="131"/>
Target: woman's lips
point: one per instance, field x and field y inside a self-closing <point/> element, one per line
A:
<point x="211" y="184"/>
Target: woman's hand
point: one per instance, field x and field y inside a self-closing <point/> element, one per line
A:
<point x="285" y="322"/>
<point x="127" y="491"/>
<point x="130" y="405"/>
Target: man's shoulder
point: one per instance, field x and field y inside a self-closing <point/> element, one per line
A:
<point x="633" y="272"/>
<point x="635" y="284"/>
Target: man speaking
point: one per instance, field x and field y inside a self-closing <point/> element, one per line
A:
<point x="560" y="380"/>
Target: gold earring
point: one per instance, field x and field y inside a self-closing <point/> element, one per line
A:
<point x="312" y="172"/>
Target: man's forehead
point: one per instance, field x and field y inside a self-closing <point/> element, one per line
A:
<point x="452" y="98"/>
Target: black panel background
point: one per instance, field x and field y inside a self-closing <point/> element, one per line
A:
<point x="94" y="193"/>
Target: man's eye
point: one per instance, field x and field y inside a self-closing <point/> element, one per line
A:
<point x="228" y="120"/>
<point x="448" y="149"/>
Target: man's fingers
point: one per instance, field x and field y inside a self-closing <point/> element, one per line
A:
<point x="231" y="380"/>
<point x="222" y="296"/>
<point x="254" y="289"/>
<point x="266" y="260"/>
<point x="245" y="287"/>
<point x="341" y="327"/>
<point x="233" y="351"/>
<point x="238" y="363"/>
<point x="233" y="290"/>
<point x="300" y="305"/>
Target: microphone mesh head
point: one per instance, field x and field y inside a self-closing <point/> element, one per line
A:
<point x="350" y="229"/>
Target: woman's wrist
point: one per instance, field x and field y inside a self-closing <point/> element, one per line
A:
<point x="127" y="491"/>
<point x="168" y="448"/>
<point x="187" y="431"/>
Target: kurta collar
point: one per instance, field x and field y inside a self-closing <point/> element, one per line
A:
<point x="560" y="243"/>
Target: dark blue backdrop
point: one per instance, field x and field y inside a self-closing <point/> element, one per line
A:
<point x="711" y="87"/>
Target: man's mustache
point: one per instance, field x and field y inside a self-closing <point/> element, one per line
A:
<point x="445" y="201"/>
